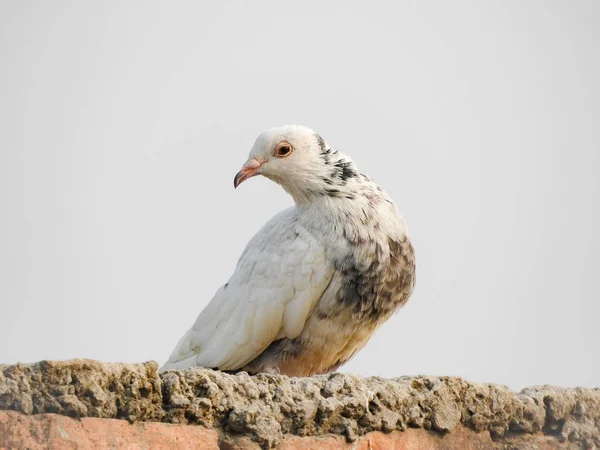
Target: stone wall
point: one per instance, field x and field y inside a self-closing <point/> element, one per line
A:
<point x="88" y="404"/>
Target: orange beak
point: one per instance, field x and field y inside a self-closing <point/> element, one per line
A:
<point x="249" y="169"/>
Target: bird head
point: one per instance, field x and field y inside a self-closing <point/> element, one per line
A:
<point x="299" y="160"/>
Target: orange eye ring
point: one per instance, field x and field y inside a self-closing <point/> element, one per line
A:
<point x="283" y="149"/>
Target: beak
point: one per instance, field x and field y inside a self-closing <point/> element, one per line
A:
<point x="249" y="169"/>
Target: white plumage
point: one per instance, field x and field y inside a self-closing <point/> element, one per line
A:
<point x="312" y="274"/>
<point x="278" y="279"/>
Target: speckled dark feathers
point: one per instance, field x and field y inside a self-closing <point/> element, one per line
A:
<point x="375" y="289"/>
<point x="341" y="169"/>
<point x="379" y="276"/>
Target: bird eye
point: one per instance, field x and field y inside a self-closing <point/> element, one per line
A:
<point x="283" y="149"/>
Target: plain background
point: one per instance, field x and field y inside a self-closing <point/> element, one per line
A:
<point x="122" y="125"/>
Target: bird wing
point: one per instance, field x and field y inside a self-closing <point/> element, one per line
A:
<point x="278" y="280"/>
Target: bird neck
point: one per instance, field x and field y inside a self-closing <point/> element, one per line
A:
<point x="336" y="177"/>
<point x="336" y="202"/>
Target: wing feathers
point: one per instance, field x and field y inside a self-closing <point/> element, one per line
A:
<point x="278" y="280"/>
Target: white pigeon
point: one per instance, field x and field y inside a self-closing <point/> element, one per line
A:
<point x="317" y="280"/>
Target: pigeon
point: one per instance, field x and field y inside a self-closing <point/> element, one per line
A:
<point x="317" y="280"/>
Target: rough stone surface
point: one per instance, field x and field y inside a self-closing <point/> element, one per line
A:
<point x="83" y="388"/>
<point x="270" y="410"/>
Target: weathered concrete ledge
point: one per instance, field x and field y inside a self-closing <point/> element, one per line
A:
<point x="237" y="411"/>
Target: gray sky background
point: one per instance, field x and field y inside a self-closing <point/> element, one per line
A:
<point x="123" y="124"/>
